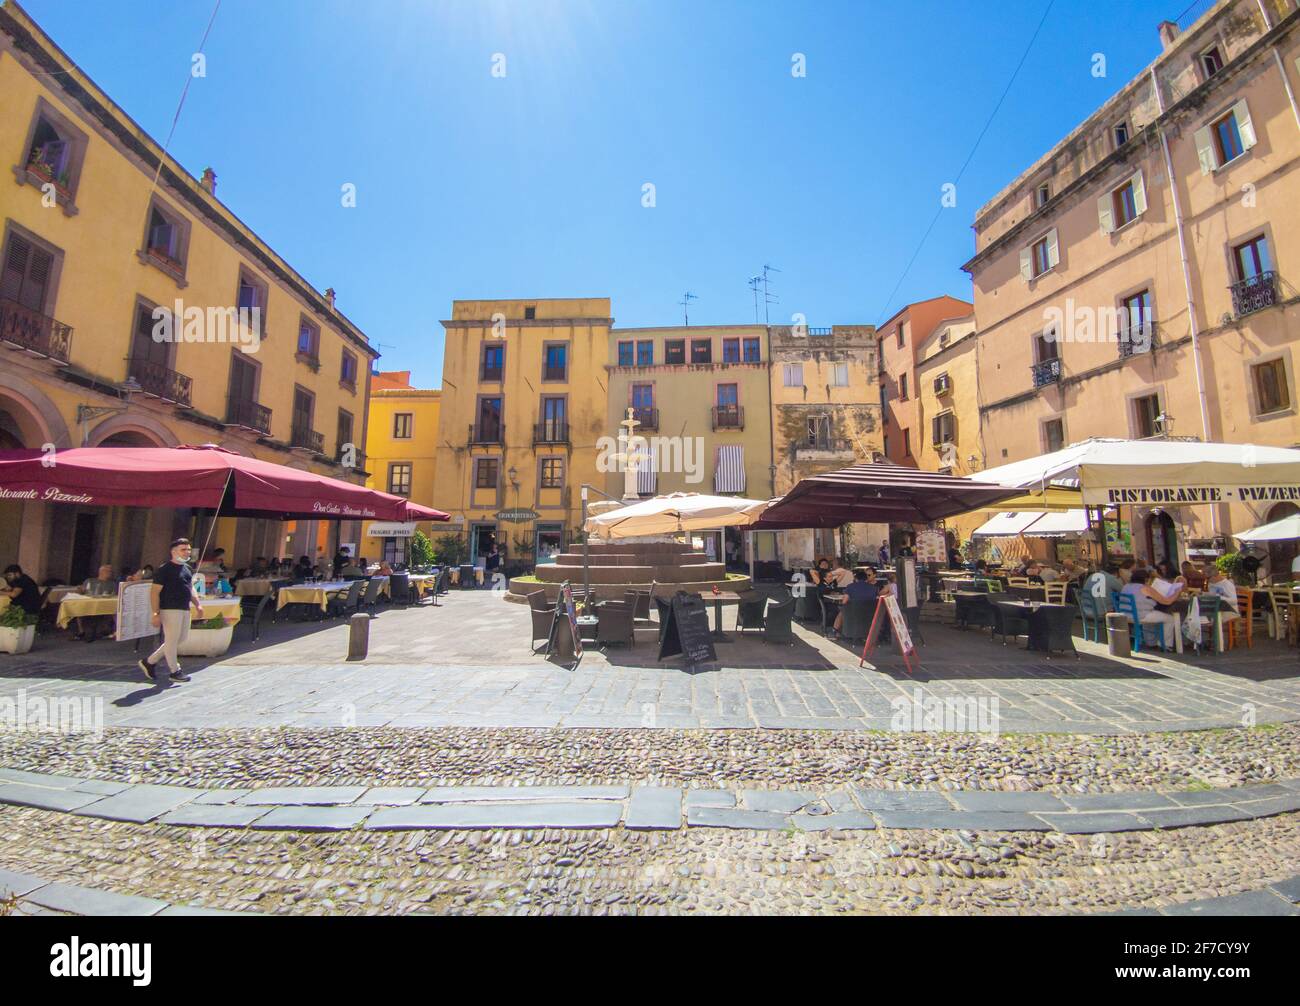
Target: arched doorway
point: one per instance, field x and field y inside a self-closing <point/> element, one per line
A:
<point x="1162" y="538"/>
<point x="1281" y="553"/>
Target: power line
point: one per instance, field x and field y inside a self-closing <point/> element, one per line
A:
<point x="970" y="156"/>
<point x="184" y="91"/>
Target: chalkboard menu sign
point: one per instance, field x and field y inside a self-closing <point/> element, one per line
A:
<point x="565" y="639"/>
<point x="687" y="631"/>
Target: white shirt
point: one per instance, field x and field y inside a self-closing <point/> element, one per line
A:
<point x="1227" y="590"/>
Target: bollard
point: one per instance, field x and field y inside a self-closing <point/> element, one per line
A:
<point x="1117" y="630"/>
<point x="358" y="636"/>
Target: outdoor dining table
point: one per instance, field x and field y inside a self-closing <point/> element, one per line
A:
<point x="77" y="605"/>
<point x="311" y="593"/>
<point x="254" y="586"/>
<point x="455" y="574"/>
<point x="1035" y="614"/>
<point x="421" y="583"/>
<point x="719" y="598"/>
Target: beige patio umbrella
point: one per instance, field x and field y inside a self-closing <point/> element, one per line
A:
<point x="676" y="512"/>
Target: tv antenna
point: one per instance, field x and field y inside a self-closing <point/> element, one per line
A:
<point x="754" y="283"/>
<point x="768" y="297"/>
<point x="685" y="302"/>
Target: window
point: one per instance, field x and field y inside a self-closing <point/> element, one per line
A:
<point x="753" y="353"/>
<point x="625" y="354"/>
<point x="943" y="428"/>
<point x="1225" y="139"/>
<point x="552" y="473"/>
<point x="402" y="424"/>
<point x="1146" y="411"/>
<point x="1041" y="256"/>
<point x="645" y="353"/>
<point x="1046" y="347"/>
<point x="54" y="154"/>
<point x="1211" y="62"/>
<point x="1043" y="194"/>
<point x="701" y="351"/>
<point x="1271" y="391"/>
<point x="1053" y="435"/>
<point x="839" y="375"/>
<point x="1120" y="134"/>
<point x="486" y="473"/>
<point x="399" y="478"/>
<point x="1123" y="205"/>
<point x="675" y="351"/>
<point x="28" y="275"/>
<point x="1136" y="312"/>
<point x="793" y="375"/>
<point x="819" y="431"/>
<point x="902" y="335"/>
<point x="530" y="314"/>
<point x="554" y="423"/>
<point x="166" y="238"/>
<point x="489" y="420"/>
<point x="902" y="387"/>
<point x="343" y="437"/>
<point x="555" y="366"/>
<point x="643" y="396"/>
<point x="730" y="350"/>
<point x="348" y="371"/>
<point x="942" y="384"/>
<point x="1251" y="259"/>
<point x="251" y="293"/>
<point x="308" y="340"/>
<point x="728" y="396"/>
<point x="493" y="363"/>
<point x="907" y="443"/>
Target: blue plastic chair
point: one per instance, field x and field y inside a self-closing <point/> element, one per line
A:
<point x="1093" y="614"/>
<point x="1127" y="605"/>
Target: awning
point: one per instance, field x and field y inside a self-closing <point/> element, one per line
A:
<point x="1286" y="529"/>
<point x="1005" y="525"/>
<point x="647" y="477"/>
<point x="881" y="494"/>
<point x="729" y="470"/>
<point x="207" y="477"/>
<point x="675" y="512"/>
<point x="1033" y="524"/>
<point x="1160" y="472"/>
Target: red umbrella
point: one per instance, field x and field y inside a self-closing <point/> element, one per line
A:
<point x="207" y="477"/>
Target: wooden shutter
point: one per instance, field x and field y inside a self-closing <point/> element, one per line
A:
<point x="1205" y="150"/>
<point x="1105" y="213"/>
<point x="1027" y="263"/>
<point x="1053" y="249"/>
<point x="1139" y="194"/>
<point x="1245" y="127"/>
<point x="936" y="431"/>
<point x="15" y="267"/>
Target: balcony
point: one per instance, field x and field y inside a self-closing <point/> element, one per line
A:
<point x="160" y="382"/>
<point x="487" y="433"/>
<point x="301" y="436"/>
<point x="358" y="459"/>
<point x="1137" y="340"/>
<point x="728" y="417"/>
<point x="560" y="373"/>
<point x="825" y="449"/>
<point x="1046" y="372"/>
<point x="647" y="418"/>
<point x="248" y="414"/>
<point x="1255" y="294"/>
<point x="37" y="333"/>
<point x="553" y="431"/>
<point x="490" y="374"/>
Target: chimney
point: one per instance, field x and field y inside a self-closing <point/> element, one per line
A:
<point x="209" y="181"/>
<point x="1168" y="32"/>
<point x="329" y="297"/>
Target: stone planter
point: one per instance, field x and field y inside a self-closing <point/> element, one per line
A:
<point x="206" y="642"/>
<point x="17" y="640"/>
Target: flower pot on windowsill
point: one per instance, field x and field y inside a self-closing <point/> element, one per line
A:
<point x="207" y="642"/>
<point x="17" y="640"/>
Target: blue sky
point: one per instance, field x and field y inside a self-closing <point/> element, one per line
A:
<point x="471" y="185"/>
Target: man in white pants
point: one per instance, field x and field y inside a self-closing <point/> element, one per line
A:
<point x="173" y="597"/>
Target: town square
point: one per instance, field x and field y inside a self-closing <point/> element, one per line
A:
<point x="520" y="573"/>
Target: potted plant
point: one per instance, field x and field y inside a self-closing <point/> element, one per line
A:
<point x="17" y="630"/>
<point x="209" y="638"/>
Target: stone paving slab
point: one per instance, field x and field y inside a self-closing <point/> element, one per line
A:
<point x="696" y="798"/>
<point x="311" y="818"/>
<point x="582" y="814"/>
<point x="960" y="820"/>
<point x="101" y="787"/>
<point x="1116" y="801"/>
<point x="472" y="794"/>
<point x="723" y="817"/>
<point x="1252" y="903"/>
<point x="1267" y="808"/>
<point x="654" y="808"/>
<point x="302" y="796"/>
<point x="17" y="883"/>
<point x="894" y="799"/>
<point x="1099" y="823"/>
<point x="390" y="796"/>
<point x="1014" y="802"/>
<point x="213" y="815"/>
<point x="87" y="901"/>
<point x="45" y="798"/>
<point x="1184" y="817"/>
<point x="849" y="820"/>
<point x="776" y="801"/>
<point x="139" y="803"/>
<point x="18" y="775"/>
<point x="221" y="796"/>
<point x="1289" y="889"/>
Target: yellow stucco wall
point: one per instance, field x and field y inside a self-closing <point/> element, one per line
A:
<point x="419" y="450"/>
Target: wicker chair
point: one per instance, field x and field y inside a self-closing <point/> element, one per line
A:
<point x="776" y="621"/>
<point x="857" y="619"/>
<point x="750" y="612"/>
<point x="1008" y="620"/>
<point x="371" y="597"/>
<point x="543" y="615"/>
<point x="615" y="623"/>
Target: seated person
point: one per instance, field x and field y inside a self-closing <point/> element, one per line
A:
<point x="385" y="569"/>
<point x="1222" y="587"/>
<point x="21" y="590"/>
<point x="1147" y="599"/>
<point x="304" y="569"/>
<point x="841" y="576"/>
<point x="1048" y="574"/>
<point x="981" y="568"/>
<point x="214" y="562"/>
<point x="1033" y="572"/>
<point x="102" y="584"/>
<point x="863" y="588"/>
<point x="1194" y="575"/>
<point x="819" y="575"/>
<point x="259" y="568"/>
<point x="145" y="572"/>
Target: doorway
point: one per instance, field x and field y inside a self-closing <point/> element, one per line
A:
<point x="1162" y="539"/>
<point x="1281" y="553"/>
<point x="85" y="542"/>
<point x="482" y="537"/>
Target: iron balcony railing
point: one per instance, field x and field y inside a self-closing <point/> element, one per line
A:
<point x="249" y="414"/>
<point x="555" y="373"/>
<point x="1046" y="372"/>
<point x="301" y="436"/>
<point x="487" y="433"/>
<point x="159" y="381"/>
<point x="1137" y="339"/>
<point x="33" y="331"/>
<point x="490" y="374"/>
<point x="358" y="459"/>
<point x="648" y="418"/>
<point x="1255" y="294"/>
<point x="551" y="431"/>
<point x="728" y="417"/>
<point x="826" y="444"/>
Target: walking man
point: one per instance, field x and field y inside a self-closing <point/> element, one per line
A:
<point x="172" y="596"/>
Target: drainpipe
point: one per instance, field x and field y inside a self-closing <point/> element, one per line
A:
<point x="1281" y="67"/>
<point x="1187" y="282"/>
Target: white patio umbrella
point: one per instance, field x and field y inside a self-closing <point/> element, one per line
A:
<point x="1286" y="529"/>
<point x="676" y="512"/>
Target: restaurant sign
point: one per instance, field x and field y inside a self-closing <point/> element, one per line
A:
<point x="1189" y="495"/>
<point x="517" y="516"/>
<point x="390" y="529"/>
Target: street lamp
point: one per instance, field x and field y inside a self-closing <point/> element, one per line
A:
<point x="85" y="413"/>
<point x="1164" y="425"/>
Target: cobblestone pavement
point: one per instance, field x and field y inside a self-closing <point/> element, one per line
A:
<point x="467" y="663"/>
<point x="552" y="871"/>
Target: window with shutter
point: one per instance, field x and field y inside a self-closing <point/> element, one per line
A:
<point x="27" y="273"/>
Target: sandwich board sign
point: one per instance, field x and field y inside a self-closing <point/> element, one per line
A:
<point x="564" y="637"/>
<point x="887" y="607"/>
<point x="687" y="631"/>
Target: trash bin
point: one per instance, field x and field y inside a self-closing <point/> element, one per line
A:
<point x="1117" y="630"/>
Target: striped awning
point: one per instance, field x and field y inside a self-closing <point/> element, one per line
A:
<point x="729" y="469"/>
<point x="647" y="475"/>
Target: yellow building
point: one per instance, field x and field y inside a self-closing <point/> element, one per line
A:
<point x="401" y="451"/>
<point x="524" y="401"/>
<point x="700" y="395"/>
<point x="118" y="303"/>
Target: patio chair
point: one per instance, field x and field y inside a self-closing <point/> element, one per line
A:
<point x="973" y="609"/>
<point x="1279" y="603"/>
<point x="664" y="609"/>
<point x="371" y="597"/>
<point x="1246" y="623"/>
<point x="342" y="604"/>
<point x="1093" y="613"/>
<point x="829" y="610"/>
<point x="1125" y="605"/>
<point x="399" y="589"/>
<point x="1008" y="620"/>
<point x="253" y="608"/>
<point x="543" y="615"/>
<point x="467" y="580"/>
<point x="615" y="623"/>
<point x="639" y="602"/>
<point x="1054" y="593"/>
<point x="857" y="619"/>
<point x="808" y="607"/>
<point x="1060" y="628"/>
<point x="1017" y="581"/>
<point x="1210" y="605"/>
<point x="750" y="612"/>
<point x="776" y="621"/>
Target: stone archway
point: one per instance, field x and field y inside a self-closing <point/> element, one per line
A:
<point x="131" y="429"/>
<point x="29" y="416"/>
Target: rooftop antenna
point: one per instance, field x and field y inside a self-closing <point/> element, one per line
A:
<point x="685" y="302"/>
<point x="754" y="282"/>
<point x="768" y="298"/>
